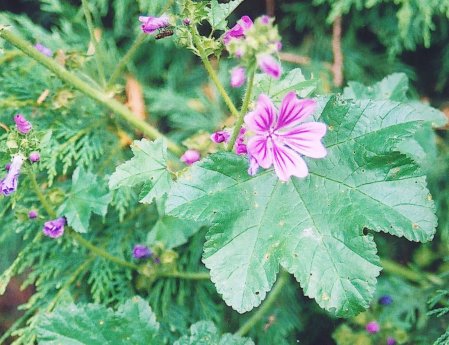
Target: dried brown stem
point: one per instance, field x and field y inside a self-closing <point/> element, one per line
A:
<point x="337" y="67"/>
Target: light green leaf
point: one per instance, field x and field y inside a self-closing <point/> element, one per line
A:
<point x="205" y="333"/>
<point x="132" y="324"/>
<point x="149" y="166"/>
<point x="293" y="80"/>
<point x="217" y="13"/>
<point x="393" y="87"/>
<point x="313" y="227"/>
<point x="86" y="196"/>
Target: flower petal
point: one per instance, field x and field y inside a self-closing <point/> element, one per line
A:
<point x="263" y="117"/>
<point x="287" y="163"/>
<point x="294" y="110"/>
<point x="305" y="139"/>
<point x="260" y="149"/>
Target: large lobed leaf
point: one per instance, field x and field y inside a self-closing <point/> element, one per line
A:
<point x="217" y="13"/>
<point x="94" y="324"/>
<point x="86" y="196"/>
<point x="313" y="227"/>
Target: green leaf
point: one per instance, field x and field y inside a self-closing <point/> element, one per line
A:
<point x="148" y="165"/>
<point x="313" y="227"/>
<point x="293" y="80"/>
<point x="217" y="13"/>
<point x="205" y="333"/>
<point x="94" y="324"/>
<point x="86" y="196"/>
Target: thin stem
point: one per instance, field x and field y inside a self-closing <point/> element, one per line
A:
<point x="392" y="267"/>
<point x="98" y="54"/>
<point x="71" y="79"/>
<point x="246" y="100"/>
<point x="266" y="306"/>
<point x="126" y="59"/>
<point x="44" y="202"/>
<point x="212" y="74"/>
<point x="186" y="275"/>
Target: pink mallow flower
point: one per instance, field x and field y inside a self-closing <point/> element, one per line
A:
<point x="269" y="65"/>
<point x="280" y="139"/>
<point x="238" y="31"/>
<point x="152" y="24"/>
<point x="190" y="156"/>
<point x="9" y="184"/>
<point x="238" y="76"/>
<point x="220" y="137"/>
<point x="22" y="125"/>
<point x="54" y="228"/>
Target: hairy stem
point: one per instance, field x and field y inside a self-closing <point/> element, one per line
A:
<point x="265" y="307"/>
<point x="212" y="74"/>
<point x="246" y="100"/>
<point x="98" y="53"/>
<point x="71" y="79"/>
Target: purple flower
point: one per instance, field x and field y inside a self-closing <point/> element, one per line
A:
<point x="391" y="341"/>
<point x="280" y="138"/>
<point x="151" y="24"/>
<point x="32" y="214"/>
<point x="7" y="166"/>
<point x="186" y="21"/>
<point x="54" y="228"/>
<point x="269" y="65"/>
<point x="141" y="252"/>
<point x="238" y="31"/>
<point x="372" y="327"/>
<point x="23" y="126"/>
<point x="265" y="19"/>
<point x="34" y="157"/>
<point x="190" y="156"/>
<point x="220" y="137"/>
<point x="9" y="184"/>
<point x="385" y="300"/>
<point x="43" y="49"/>
<point x="238" y="76"/>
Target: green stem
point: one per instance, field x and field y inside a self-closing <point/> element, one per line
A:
<point x="245" y="105"/>
<point x="126" y="59"/>
<point x="186" y="275"/>
<point x="44" y="202"/>
<point x="212" y="74"/>
<point x="88" y="90"/>
<point x="266" y="306"/>
<point x="98" y="54"/>
<point x="392" y="267"/>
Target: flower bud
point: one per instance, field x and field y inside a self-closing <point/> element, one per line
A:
<point x="238" y="76"/>
<point x="220" y="137"/>
<point x="32" y="214"/>
<point x="34" y="157"/>
<point x="190" y="156"/>
<point x="372" y="327"/>
<point x="141" y="252"/>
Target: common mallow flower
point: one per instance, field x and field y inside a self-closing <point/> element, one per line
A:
<point x="190" y="156"/>
<point x="269" y="65"/>
<point x="22" y="125"/>
<point x="34" y="157"/>
<point x="9" y="184"/>
<point x="54" y="228"/>
<point x="280" y="139"/>
<point x="141" y="252"/>
<point x="220" y="137"/>
<point x="238" y="31"/>
<point x="385" y="300"/>
<point x="151" y="24"/>
<point x="391" y="341"/>
<point x="238" y="76"/>
<point x="32" y="214"/>
<point x="372" y="327"/>
<point x="43" y="49"/>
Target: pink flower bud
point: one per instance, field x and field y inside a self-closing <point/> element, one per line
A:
<point x="238" y="76"/>
<point x="372" y="327"/>
<point x="220" y="137"/>
<point x="190" y="156"/>
<point x="34" y="157"/>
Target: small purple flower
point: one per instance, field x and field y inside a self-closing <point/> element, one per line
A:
<point x="9" y="184"/>
<point x="238" y="31"/>
<point x="238" y="76"/>
<point x="141" y="252"/>
<point x="54" y="228"/>
<point x="186" y="21"/>
<point x="190" y="156"/>
<point x="391" y="341"/>
<point x="372" y="327"/>
<point x="43" y="49"/>
<point x="152" y="24"/>
<point x="265" y="19"/>
<point x="269" y="65"/>
<point x="7" y="166"/>
<point x="22" y="125"/>
<point x="32" y="214"/>
<point x="385" y="300"/>
<point x="220" y="137"/>
<point x="34" y="157"/>
<point x="280" y="139"/>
